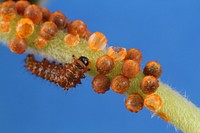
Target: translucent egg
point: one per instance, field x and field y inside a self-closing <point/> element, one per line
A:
<point x="97" y="41"/>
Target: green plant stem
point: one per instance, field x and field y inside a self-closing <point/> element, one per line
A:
<point x="181" y="113"/>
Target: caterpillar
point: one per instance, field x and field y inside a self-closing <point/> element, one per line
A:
<point x="65" y="75"/>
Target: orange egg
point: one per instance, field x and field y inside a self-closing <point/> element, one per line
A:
<point x="71" y="40"/>
<point x="104" y="64"/>
<point x="77" y="27"/>
<point x="149" y="84"/>
<point x="59" y="19"/>
<point x="8" y="3"/>
<point x="34" y="13"/>
<point x="130" y="68"/>
<point x="97" y="41"/>
<point x="4" y="26"/>
<point x="8" y="11"/>
<point x="163" y="116"/>
<point x="134" y="54"/>
<point x="153" y="102"/>
<point x="40" y="43"/>
<point x="153" y="68"/>
<point x="87" y="35"/>
<point x="117" y="53"/>
<point x="24" y="27"/>
<point x="45" y="13"/>
<point x="21" y="6"/>
<point x="18" y="45"/>
<point x="101" y="83"/>
<point x="120" y="84"/>
<point x="134" y="102"/>
<point x="48" y="30"/>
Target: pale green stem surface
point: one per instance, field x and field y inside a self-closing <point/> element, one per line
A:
<point x="181" y="113"/>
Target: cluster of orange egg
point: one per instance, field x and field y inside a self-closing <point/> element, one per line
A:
<point x="148" y="86"/>
<point x="131" y="60"/>
<point x="105" y="64"/>
<point x="50" y="23"/>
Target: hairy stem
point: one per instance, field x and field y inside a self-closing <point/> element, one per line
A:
<point x="180" y="112"/>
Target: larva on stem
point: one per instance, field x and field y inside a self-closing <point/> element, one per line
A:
<point x="59" y="50"/>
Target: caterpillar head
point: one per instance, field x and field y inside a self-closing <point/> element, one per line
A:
<point x="82" y="62"/>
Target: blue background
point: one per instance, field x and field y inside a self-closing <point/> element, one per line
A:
<point x="164" y="30"/>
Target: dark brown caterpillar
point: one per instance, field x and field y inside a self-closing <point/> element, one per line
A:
<point x="66" y="76"/>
